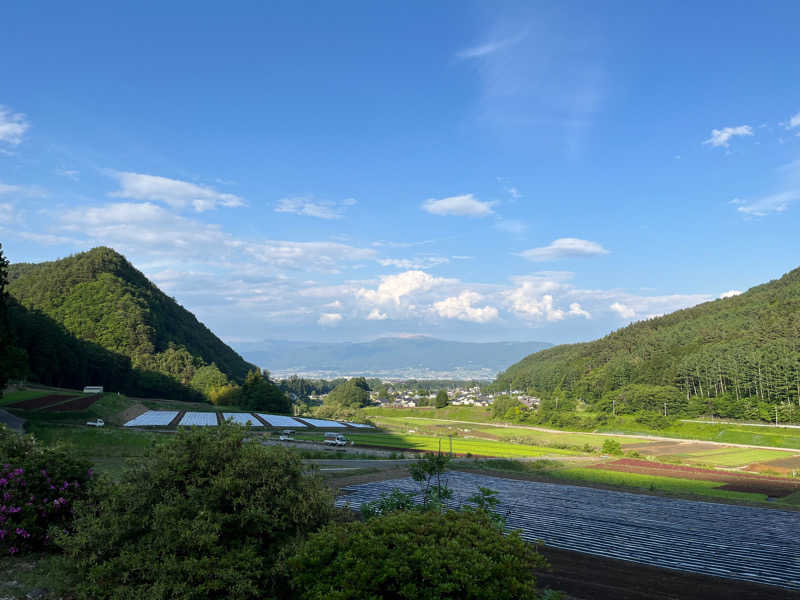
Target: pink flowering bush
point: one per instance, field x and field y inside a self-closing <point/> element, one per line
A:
<point x="38" y="487"/>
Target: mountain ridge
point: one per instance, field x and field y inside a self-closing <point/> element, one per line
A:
<point x="742" y="346"/>
<point x="387" y="356"/>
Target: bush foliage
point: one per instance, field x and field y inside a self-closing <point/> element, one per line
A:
<point x="38" y="489"/>
<point x="415" y="555"/>
<point x="204" y="516"/>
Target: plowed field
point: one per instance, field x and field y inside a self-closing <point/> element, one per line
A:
<point x="40" y="402"/>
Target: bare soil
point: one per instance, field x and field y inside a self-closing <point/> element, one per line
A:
<point x="132" y="412"/>
<point x="40" y="402"/>
<point x="75" y="405"/>
<point x="775" y="487"/>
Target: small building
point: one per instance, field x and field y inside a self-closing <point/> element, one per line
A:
<point x="93" y="389"/>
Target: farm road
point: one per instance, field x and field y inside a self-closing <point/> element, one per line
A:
<point x="734" y="542"/>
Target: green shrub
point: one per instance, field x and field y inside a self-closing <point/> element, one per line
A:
<point x="612" y="447"/>
<point x="414" y="555"/>
<point x="38" y="487"/>
<point x="203" y="516"/>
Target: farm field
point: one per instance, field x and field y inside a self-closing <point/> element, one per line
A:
<point x="460" y="446"/>
<point x="736" y="542"/>
<point x="695" y="453"/>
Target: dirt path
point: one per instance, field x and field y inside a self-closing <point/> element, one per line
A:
<point x="640" y="436"/>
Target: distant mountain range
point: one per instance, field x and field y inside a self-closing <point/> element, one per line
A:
<point x="417" y="357"/>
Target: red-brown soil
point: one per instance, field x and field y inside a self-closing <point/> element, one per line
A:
<point x="776" y="487"/>
<point x="75" y="405"/>
<point x="40" y="402"/>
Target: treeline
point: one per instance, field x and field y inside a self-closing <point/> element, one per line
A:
<point x="93" y="319"/>
<point x="737" y="357"/>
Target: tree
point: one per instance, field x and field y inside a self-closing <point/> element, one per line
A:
<point x="205" y="515"/>
<point x="415" y="555"/>
<point x="353" y="393"/>
<point x="442" y="399"/>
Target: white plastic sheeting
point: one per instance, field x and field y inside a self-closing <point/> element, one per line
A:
<point x="281" y="421"/>
<point x="242" y="419"/>
<point x="202" y="419"/>
<point x="153" y="418"/>
<point x="323" y="422"/>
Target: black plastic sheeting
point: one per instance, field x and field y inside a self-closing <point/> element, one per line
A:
<point x="737" y="542"/>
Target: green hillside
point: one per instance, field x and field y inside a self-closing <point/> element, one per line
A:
<point x="738" y="356"/>
<point x="95" y="313"/>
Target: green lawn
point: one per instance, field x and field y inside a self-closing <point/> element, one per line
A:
<point x="460" y="445"/>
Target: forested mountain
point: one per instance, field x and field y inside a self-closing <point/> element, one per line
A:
<point x="407" y="357"/>
<point x="739" y="354"/>
<point x="93" y="317"/>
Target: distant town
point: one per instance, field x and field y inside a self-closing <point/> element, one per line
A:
<point x="469" y="394"/>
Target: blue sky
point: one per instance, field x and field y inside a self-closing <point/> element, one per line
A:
<point x="474" y="171"/>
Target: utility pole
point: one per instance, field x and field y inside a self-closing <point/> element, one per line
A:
<point x="776" y="415"/>
<point x="613" y="407"/>
<point x="665" y="409"/>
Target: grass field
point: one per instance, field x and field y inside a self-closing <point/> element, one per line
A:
<point x="733" y="457"/>
<point x="460" y="445"/>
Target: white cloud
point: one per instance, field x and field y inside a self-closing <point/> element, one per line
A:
<point x="329" y="319"/>
<point x="794" y="122"/>
<point x="532" y="299"/>
<point x="564" y="248"/>
<point x="69" y="174"/>
<point x="775" y="203"/>
<point x="462" y="206"/>
<point x="7" y="213"/>
<point x="460" y="307"/>
<point x="12" y="126"/>
<point x="376" y="315"/>
<point x="422" y="262"/>
<point x="7" y="189"/>
<point x="721" y="137"/>
<point x="730" y="294"/>
<point x="320" y="256"/>
<point x="624" y="311"/>
<point x="575" y="310"/>
<point x="173" y="192"/>
<point x="308" y="207"/>
<point x="394" y="287"/>
<point x="490" y="47"/>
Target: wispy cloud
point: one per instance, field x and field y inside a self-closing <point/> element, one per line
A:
<point x="307" y="206"/>
<point x="514" y="226"/>
<point x="721" y="137"/>
<point x="777" y="202"/>
<point x="12" y="126"/>
<point x="466" y="205"/>
<point x="68" y="173"/>
<point x="794" y="122"/>
<point x="564" y="248"/>
<point x="420" y="262"/>
<point x="490" y="47"/>
<point x="329" y="319"/>
<point x="173" y="192"/>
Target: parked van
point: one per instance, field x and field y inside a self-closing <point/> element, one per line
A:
<point x="335" y="439"/>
